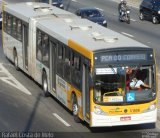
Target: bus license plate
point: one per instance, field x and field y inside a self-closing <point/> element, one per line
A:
<point x="126" y="118"/>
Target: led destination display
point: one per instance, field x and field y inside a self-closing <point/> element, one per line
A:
<point x="123" y="57"/>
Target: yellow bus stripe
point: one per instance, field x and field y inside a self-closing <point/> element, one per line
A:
<point x="80" y="49"/>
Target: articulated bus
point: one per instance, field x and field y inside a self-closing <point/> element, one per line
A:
<point x="103" y="77"/>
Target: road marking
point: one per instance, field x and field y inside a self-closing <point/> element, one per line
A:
<point x="99" y="9"/>
<point x="12" y="80"/>
<point x="133" y="20"/>
<point x="61" y="119"/>
<point x="74" y="0"/>
<point x="127" y="34"/>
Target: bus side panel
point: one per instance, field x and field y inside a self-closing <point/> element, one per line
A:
<point x="64" y="91"/>
<point x="79" y="100"/>
<point x="32" y="49"/>
<point x="38" y="72"/>
<point x="36" y="66"/>
<point x="9" y="44"/>
<point x="61" y="90"/>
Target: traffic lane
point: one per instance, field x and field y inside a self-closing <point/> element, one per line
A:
<point x="39" y="111"/>
<point x="50" y="102"/>
<point x="20" y="112"/>
<point x="15" y="1"/>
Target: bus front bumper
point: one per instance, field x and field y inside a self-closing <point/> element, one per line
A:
<point x="118" y="120"/>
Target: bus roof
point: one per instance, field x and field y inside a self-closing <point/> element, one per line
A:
<point x="92" y="36"/>
<point x="26" y="10"/>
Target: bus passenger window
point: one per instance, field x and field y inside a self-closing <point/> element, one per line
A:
<point x="14" y="26"/>
<point x="39" y="46"/>
<point x="67" y="63"/>
<point x="9" y="19"/>
<point x="60" y="52"/>
<point x="76" y="76"/>
<point x="77" y="62"/>
<point x="5" y="20"/>
<point x="67" y="56"/>
<point x="45" y="50"/>
<point x="60" y="63"/>
<point x="72" y="59"/>
<point x="19" y="30"/>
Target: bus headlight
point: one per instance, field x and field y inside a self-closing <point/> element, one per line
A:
<point x="98" y="111"/>
<point x="151" y="107"/>
<point x="159" y="12"/>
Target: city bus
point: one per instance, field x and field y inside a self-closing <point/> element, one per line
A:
<point x="101" y="76"/>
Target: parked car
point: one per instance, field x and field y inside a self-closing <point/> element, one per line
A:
<point x="92" y="14"/>
<point x="150" y="9"/>
<point x="58" y="3"/>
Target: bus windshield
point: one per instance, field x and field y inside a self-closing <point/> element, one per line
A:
<point x="124" y="84"/>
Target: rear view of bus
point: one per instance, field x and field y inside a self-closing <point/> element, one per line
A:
<point x="124" y="90"/>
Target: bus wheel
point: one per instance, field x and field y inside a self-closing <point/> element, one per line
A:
<point x="45" y="84"/>
<point x="75" y="109"/>
<point x="16" y="60"/>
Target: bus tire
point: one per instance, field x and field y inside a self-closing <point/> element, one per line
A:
<point x="75" y="109"/>
<point x="15" y="60"/>
<point x="45" y="84"/>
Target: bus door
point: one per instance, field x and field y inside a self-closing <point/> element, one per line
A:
<point x="85" y="92"/>
<point x="53" y="65"/>
<point x="25" y="46"/>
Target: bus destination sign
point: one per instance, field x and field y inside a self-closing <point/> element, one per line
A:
<point x="122" y="57"/>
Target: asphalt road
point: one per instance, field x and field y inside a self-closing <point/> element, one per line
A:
<point x="25" y="109"/>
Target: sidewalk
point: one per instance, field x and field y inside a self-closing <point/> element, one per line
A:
<point x="132" y="3"/>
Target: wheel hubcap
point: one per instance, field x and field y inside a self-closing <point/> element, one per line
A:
<point x="75" y="109"/>
<point x="45" y="85"/>
<point x="141" y="16"/>
<point x="154" y="19"/>
<point x="16" y="62"/>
